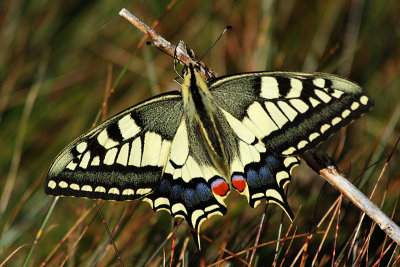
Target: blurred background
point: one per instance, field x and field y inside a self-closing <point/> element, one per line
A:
<point x="58" y="57"/>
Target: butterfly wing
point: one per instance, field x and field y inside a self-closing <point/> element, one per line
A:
<point x="278" y="115"/>
<point x="291" y="112"/>
<point x="122" y="158"/>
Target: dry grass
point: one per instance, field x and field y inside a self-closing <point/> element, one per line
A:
<point x="56" y="60"/>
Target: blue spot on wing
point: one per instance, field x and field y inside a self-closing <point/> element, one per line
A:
<point x="266" y="176"/>
<point x="261" y="176"/>
<point x="204" y="192"/>
<point x="195" y="194"/>
<point x="272" y="161"/>
<point x="190" y="197"/>
<point x="176" y="192"/>
<point x="164" y="187"/>
<point x="252" y="178"/>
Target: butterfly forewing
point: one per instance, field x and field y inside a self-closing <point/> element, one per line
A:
<point x="122" y="158"/>
<point x="291" y="112"/>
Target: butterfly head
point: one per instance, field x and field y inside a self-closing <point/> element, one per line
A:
<point x="190" y="69"/>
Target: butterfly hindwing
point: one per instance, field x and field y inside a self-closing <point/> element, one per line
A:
<point x="257" y="172"/>
<point x="266" y="179"/>
<point x="291" y="112"/>
<point x="122" y="158"/>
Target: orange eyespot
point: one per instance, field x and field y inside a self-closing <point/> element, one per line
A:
<point x="220" y="187"/>
<point x="239" y="183"/>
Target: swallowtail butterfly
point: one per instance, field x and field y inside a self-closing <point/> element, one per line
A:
<point x="184" y="151"/>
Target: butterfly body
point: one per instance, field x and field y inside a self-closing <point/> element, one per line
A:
<point x="184" y="151"/>
<point x="201" y="112"/>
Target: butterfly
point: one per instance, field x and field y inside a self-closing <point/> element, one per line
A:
<point x="184" y="151"/>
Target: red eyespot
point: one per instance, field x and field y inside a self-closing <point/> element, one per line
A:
<point x="239" y="183"/>
<point x="220" y="187"/>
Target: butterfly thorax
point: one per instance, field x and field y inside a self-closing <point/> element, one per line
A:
<point x="201" y="111"/>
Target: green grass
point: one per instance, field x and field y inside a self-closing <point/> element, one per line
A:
<point x="55" y="58"/>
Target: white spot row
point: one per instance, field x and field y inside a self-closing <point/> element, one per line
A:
<point x="99" y="189"/>
<point x="289" y="161"/>
<point x="364" y="100"/>
<point x="355" y="105"/>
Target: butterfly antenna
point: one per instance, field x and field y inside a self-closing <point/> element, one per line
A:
<point x="216" y="41"/>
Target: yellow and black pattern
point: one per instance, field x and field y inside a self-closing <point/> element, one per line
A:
<point x="121" y="159"/>
<point x="291" y="112"/>
<point x="183" y="151"/>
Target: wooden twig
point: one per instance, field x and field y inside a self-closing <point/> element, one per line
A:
<point x="320" y="163"/>
<point x="181" y="52"/>
<point x="325" y="167"/>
